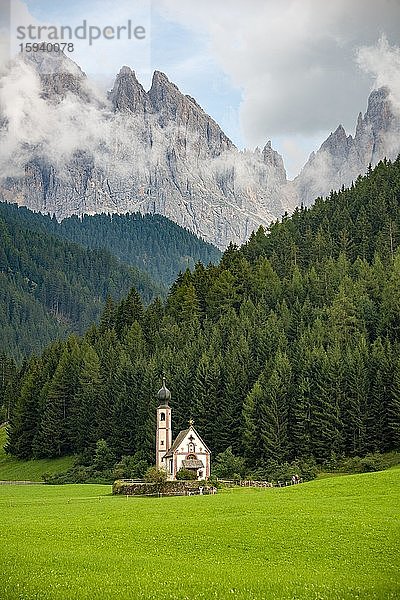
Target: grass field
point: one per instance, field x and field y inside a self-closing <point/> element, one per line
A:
<point x="31" y="470"/>
<point x="330" y="539"/>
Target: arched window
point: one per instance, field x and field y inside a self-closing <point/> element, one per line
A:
<point x="191" y="447"/>
<point x="162" y="416"/>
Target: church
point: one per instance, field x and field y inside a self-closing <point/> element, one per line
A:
<point x="188" y="451"/>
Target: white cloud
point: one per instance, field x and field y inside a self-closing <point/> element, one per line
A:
<point x="293" y="60"/>
<point x="383" y="62"/>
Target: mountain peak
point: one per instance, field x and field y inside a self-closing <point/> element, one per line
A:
<point x="160" y="78"/>
<point x="379" y="110"/>
<point x="125" y="70"/>
<point x="337" y="142"/>
<point x="340" y="131"/>
<point x="127" y="94"/>
<point x="274" y="159"/>
<point x="50" y="63"/>
<point x="58" y="74"/>
<point x="163" y="90"/>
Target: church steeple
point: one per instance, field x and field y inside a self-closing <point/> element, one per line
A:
<point x="164" y="426"/>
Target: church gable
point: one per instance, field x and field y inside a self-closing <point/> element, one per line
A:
<point x="189" y="452"/>
<point x="189" y="442"/>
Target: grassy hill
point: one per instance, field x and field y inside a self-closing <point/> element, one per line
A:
<point x="14" y="469"/>
<point x="330" y="539"/>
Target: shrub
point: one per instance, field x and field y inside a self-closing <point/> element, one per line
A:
<point x="229" y="466"/>
<point x="156" y="476"/>
<point x="131" y="467"/>
<point x="104" y="457"/>
<point x="369" y="463"/>
<point x="186" y="475"/>
<point x="274" y="471"/>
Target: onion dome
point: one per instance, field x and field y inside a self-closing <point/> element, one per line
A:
<point x="164" y="394"/>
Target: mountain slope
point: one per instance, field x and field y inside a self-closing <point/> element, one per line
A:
<point x="288" y="349"/>
<point x="151" y="243"/>
<point x="51" y="286"/>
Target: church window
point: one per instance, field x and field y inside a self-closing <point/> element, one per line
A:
<point x="191" y="457"/>
<point x="171" y="466"/>
<point x="162" y="442"/>
<point x="162" y="416"/>
<point x="191" y="447"/>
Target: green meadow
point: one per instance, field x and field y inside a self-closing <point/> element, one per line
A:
<point x="335" y="538"/>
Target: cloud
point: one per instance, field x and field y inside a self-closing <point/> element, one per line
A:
<point x="34" y="126"/>
<point x="383" y="62"/>
<point x="294" y="61"/>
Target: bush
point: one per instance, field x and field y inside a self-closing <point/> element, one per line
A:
<point x="274" y="471"/>
<point x="104" y="457"/>
<point x="131" y="467"/>
<point x="156" y="476"/>
<point x="367" y="464"/>
<point x="186" y="475"/>
<point x="79" y="474"/>
<point x="229" y="466"/>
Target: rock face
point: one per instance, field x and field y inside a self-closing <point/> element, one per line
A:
<point x="154" y="151"/>
<point x="341" y="158"/>
<point x="67" y="150"/>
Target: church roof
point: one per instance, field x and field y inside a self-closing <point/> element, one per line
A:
<point x="192" y="463"/>
<point x="179" y="439"/>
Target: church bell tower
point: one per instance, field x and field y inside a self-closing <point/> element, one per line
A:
<point x="164" y="429"/>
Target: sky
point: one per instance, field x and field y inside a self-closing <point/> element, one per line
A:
<point x="289" y="71"/>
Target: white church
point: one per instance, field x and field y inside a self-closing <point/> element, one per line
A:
<point x="188" y="451"/>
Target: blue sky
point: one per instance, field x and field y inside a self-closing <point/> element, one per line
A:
<point x="286" y="70"/>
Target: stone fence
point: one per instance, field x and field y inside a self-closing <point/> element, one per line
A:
<point x="130" y="487"/>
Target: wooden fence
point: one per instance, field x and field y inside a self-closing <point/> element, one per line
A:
<point x="258" y="484"/>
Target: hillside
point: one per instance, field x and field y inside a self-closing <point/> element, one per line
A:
<point x="151" y="243"/>
<point x="14" y="469"/>
<point x="51" y="287"/>
<point x="288" y="349"/>
<point x="55" y="276"/>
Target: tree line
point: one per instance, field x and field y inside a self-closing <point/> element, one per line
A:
<point x="288" y="349"/>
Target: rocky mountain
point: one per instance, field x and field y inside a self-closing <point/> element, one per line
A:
<point x="67" y="149"/>
<point x="153" y="152"/>
<point x="342" y="158"/>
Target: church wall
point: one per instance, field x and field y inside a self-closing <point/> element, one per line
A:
<point x="181" y="456"/>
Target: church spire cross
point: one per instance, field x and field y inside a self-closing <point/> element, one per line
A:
<point x="191" y="422"/>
